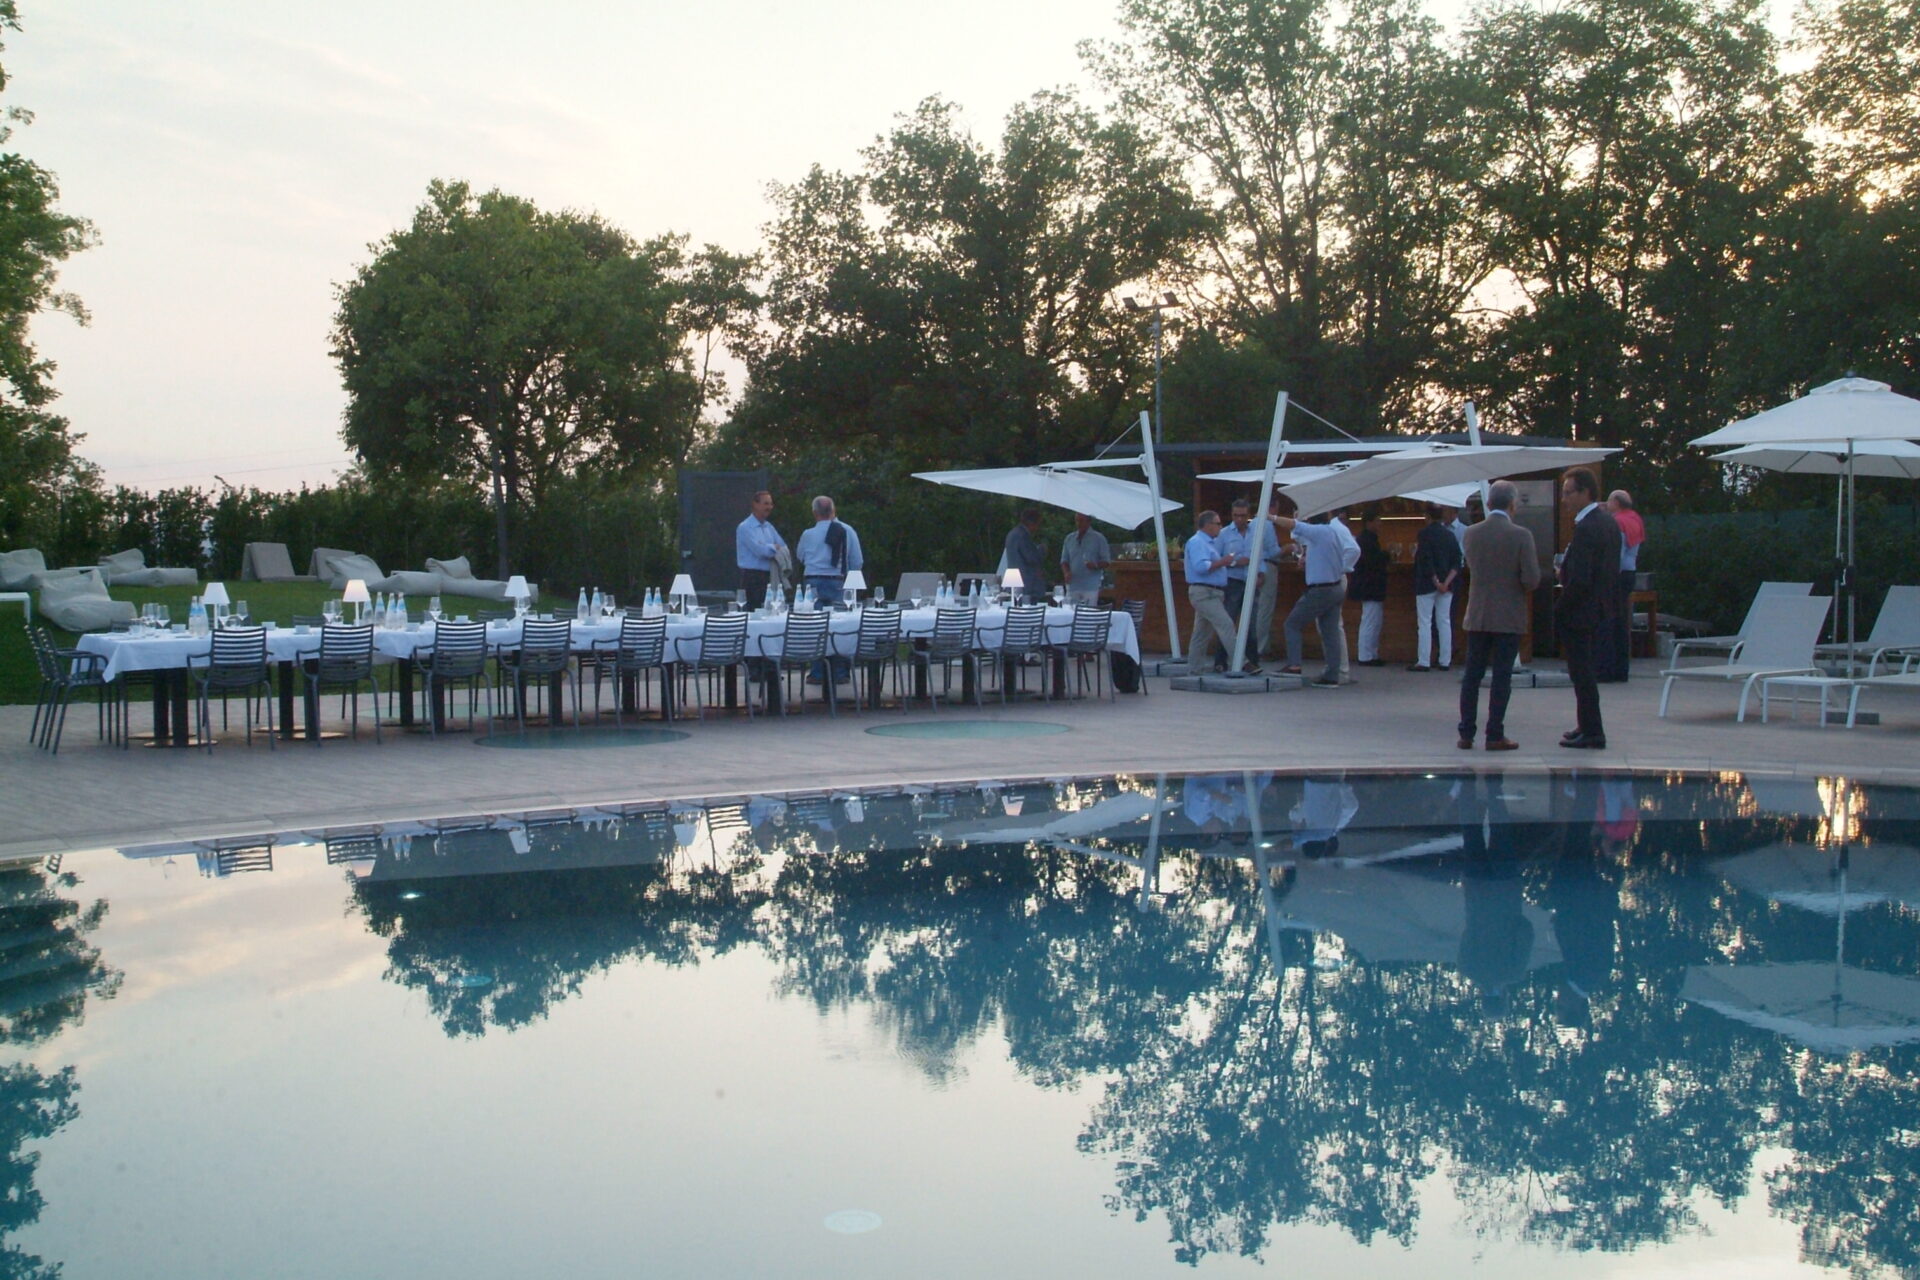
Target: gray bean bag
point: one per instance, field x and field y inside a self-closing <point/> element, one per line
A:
<point x="342" y="567"/>
<point x="129" y="569"/>
<point x="18" y="566"/>
<point x="80" y="603"/>
<point x="267" y="562"/>
<point x="456" y="579"/>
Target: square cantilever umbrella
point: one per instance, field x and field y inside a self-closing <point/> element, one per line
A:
<point x="1126" y="503"/>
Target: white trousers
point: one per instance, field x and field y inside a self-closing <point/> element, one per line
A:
<point x="1433" y="612"/>
<point x="1373" y="618"/>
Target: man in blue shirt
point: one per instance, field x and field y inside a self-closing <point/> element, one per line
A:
<point x="827" y="553"/>
<point x="757" y="548"/>
<point x="1236" y="543"/>
<point x="1206" y="592"/>
<point x="1326" y="572"/>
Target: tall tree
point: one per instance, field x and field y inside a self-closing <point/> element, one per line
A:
<point x="499" y="343"/>
<point x="954" y="300"/>
<point x="1336" y="156"/>
<point x="36" y="446"/>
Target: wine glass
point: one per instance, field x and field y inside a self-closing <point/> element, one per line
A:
<point x="434" y="607"/>
<point x="917" y="597"/>
<point x="1059" y="595"/>
<point x="880" y="595"/>
<point x="163" y="616"/>
<point x="241" y="615"/>
<point x="331" y="612"/>
<point x="607" y="606"/>
<point x="740" y="600"/>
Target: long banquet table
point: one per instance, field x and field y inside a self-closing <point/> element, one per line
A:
<point x="129" y="652"/>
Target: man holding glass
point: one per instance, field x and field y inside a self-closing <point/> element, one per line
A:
<point x="757" y="548"/>
<point x="1084" y="556"/>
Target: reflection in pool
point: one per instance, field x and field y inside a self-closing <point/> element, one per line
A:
<point x="1358" y="1022"/>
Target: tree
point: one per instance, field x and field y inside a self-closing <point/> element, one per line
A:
<point x="1336" y="159"/>
<point x="496" y="343"/>
<point x="954" y="302"/>
<point x="36" y="448"/>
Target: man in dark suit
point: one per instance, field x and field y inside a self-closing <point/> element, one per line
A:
<point x="1503" y="568"/>
<point x="1589" y="581"/>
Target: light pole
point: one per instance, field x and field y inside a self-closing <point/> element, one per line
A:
<point x="1165" y="302"/>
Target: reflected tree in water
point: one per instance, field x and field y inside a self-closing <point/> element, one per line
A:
<point x="48" y="972"/>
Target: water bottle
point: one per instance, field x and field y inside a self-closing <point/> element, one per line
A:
<point x="580" y="607"/>
<point x="197" y="617"/>
<point x="599" y="604"/>
<point x="397" y="612"/>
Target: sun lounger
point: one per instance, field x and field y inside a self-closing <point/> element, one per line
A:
<point x="1729" y="646"/>
<point x="1782" y="632"/>
<point x="1898" y="682"/>
<point x="1897" y="627"/>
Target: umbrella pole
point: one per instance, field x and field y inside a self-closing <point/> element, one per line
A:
<point x="1152" y="465"/>
<point x="1853" y="505"/>
<point x="1276" y="450"/>
<point x="1150" y="861"/>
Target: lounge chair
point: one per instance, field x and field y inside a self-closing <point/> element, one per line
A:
<point x="268" y="562"/>
<point x="79" y="602"/>
<point x="1729" y="646"/>
<point x="1896" y="627"/>
<point x="1782" y="633"/>
<point x="129" y="569"/>
<point x="1894" y="682"/>
<point x="456" y="579"/>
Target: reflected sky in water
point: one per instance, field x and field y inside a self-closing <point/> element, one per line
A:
<point x="1133" y="1026"/>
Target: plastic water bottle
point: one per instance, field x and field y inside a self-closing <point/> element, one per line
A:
<point x="598" y="605"/>
<point x="580" y="608"/>
<point x="397" y="612"/>
<point x="197" y="617"/>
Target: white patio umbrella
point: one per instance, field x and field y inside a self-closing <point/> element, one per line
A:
<point x="1895" y="459"/>
<point x="1126" y="503"/>
<point x="1389" y="917"/>
<point x="1845" y="411"/>
<point x="1831" y="882"/>
<point x="1831" y="1007"/>
<point x="1100" y="818"/>
<point x="1432" y="466"/>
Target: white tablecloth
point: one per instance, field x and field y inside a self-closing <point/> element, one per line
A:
<point x="127" y="651"/>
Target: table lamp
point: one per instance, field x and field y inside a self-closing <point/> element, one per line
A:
<point x="356" y="595"/>
<point x="518" y="592"/>
<point x="856" y="583"/>
<point x="215" y="598"/>
<point x="683" y="588"/>
<point x="1014" y="583"/>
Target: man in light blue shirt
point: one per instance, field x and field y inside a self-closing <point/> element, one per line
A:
<point x="1206" y="592"/>
<point x="1236" y="542"/>
<point x="1326" y="573"/>
<point x="1084" y="556"/>
<point x="827" y="553"/>
<point x="757" y="548"/>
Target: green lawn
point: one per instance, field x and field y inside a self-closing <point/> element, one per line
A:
<point x="267" y="601"/>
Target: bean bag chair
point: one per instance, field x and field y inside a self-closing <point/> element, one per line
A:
<point x="267" y="562"/>
<point x="456" y="579"/>
<point x="18" y="566"/>
<point x="129" y="569"/>
<point x="80" y="602"/>
<point x="343" y="567"/>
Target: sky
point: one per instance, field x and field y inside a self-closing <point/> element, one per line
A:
<point x="239" y="160"/>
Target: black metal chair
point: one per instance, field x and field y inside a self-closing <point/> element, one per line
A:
<point x="458" y="656"/>
<point x="545" y="654"/>
<point x="877" y="648"/>
<point x="235" y="663"/>
<point x="62" y="671"/>
<point x="345" y="662"/>
<point x="723" y="647"/>
<point x="1023" y="635"/>
<point x="804" y="643"/>
<point x="1087" y="642"/>
<point x="641" y="648"/>
<point x="952" y="641"/>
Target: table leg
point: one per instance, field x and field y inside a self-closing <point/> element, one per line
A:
<point x="405" y="690"/>
<point x="182" y="722"/>
<point x="285" y="683"/>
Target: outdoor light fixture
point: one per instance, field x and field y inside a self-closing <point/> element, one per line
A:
<point x="856" y="583"/>
<point x="682" y="585"/>
<point x="215" y="597"/>
<point x="356" y="595"/>
<point x="1013" y="582"/>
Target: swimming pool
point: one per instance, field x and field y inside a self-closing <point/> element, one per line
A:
<point x="1350" y="1024"/>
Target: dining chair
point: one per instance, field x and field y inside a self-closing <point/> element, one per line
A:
<point x="236" y="662"/>
<point x="723" y="647"/>
<point x="345" y="662"/>
<point x="545" y="656"/>
<point x="62" y="672"/>
<point x="1023" y="635"/>
<point x="876" y="649"/>
<point x="640" y="648"/>
<point x="1087" y="642"/>
<point x="458" y="656"/>
<point x="952" y="641"/>
<point x="804" y="642"/>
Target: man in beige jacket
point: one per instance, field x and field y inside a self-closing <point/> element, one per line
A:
<point x="1503" y="569"/>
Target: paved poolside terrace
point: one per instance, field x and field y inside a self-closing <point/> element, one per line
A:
<point x="92" y="795"/>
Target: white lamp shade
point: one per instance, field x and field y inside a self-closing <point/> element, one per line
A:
<point x="216" y="593"/>
<point x="682" y="585"/>
<point x="856" y="580"/>
<point x="1012" y="580"/>
<point x="517" y="588"/>
<point x="356" y="592"/>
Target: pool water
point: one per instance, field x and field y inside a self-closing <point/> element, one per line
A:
<point x="1339" y="1024"/>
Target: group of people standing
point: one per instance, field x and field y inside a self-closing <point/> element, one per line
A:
<point x="822" y="558"/>
<point x="1496" y="557"/>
